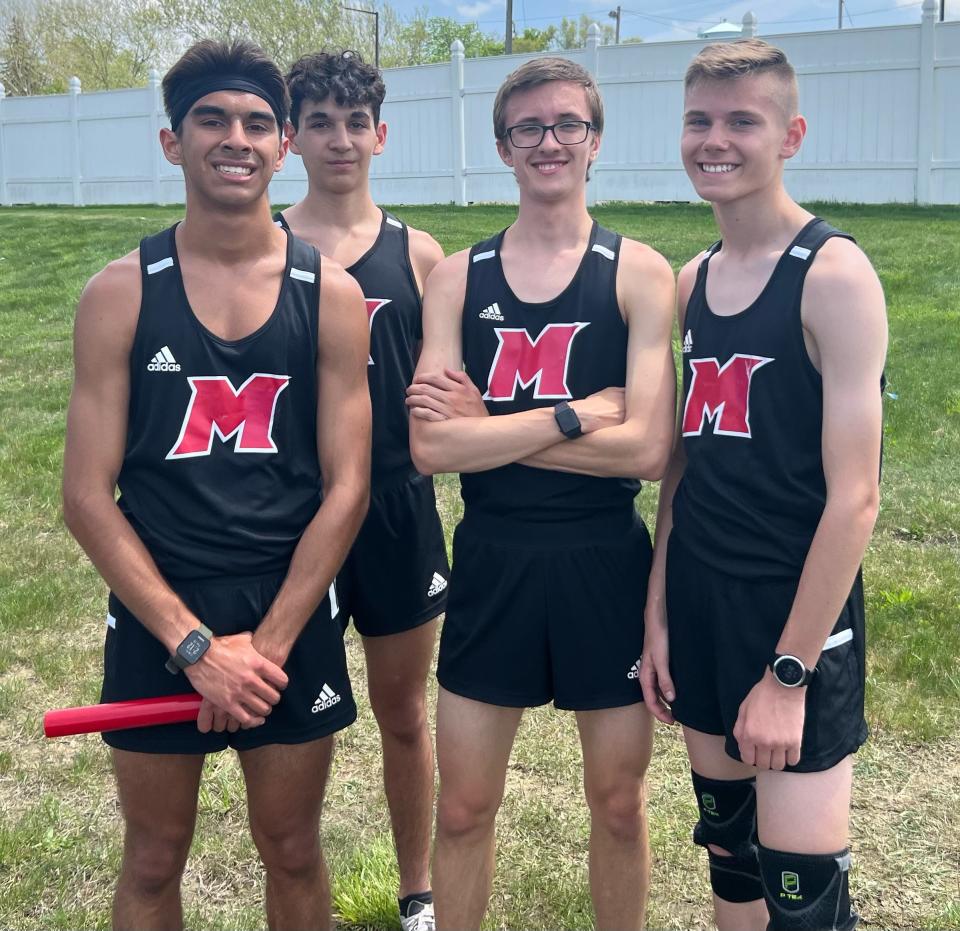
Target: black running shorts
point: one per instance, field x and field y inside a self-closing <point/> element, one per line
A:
<point x="396" y="575"/>
<point x="723" y="632"/>
<point x="546" y="613"/>
<point x="316" y="702"/>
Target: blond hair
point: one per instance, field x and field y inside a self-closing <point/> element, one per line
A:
<point x="541" y="71"/>
<point x="726" y="61"/>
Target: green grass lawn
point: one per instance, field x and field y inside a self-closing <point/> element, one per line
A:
<point x="59" y="827"/>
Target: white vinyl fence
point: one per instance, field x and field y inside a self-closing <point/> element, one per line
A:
<point x="877" y="102"/>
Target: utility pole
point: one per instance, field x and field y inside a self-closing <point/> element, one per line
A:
<point x="616" y="14"/>
<point x="508" y="30"/>
<point x="376" y="31"/>
<point x="840" y="15"/>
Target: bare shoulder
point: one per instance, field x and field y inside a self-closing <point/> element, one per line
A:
<point x="646" y="289"/>
<point x="686" y="279"/>
<point x="450" y="274"/>
<point x="425" y="251"/>
<point x="841" y="286"/>
<point x="336" y="284"/>
<point x="639" y="258"/>
<point x="109" y="306"/>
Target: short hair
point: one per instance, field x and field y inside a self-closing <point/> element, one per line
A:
<point x="726" y="61"/>
<point x="541" y="71"/>
<point x="240" y="58"/>
<point x="344" y="76"/>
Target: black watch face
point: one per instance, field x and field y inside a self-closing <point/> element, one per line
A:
<point x="193" y="647"/>
<point x="789" y="671"/>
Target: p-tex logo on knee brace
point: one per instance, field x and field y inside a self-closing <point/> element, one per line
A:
<point x="790" y="883"/>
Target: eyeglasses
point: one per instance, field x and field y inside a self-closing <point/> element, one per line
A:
<point x="529" y="135"/>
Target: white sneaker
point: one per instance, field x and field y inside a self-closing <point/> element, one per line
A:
<point x="419" y="917"/>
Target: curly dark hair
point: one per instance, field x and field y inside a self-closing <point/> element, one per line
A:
<point x="341" y="75"/>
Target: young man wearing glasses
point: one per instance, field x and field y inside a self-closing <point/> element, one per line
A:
<point x="546" y="379"/>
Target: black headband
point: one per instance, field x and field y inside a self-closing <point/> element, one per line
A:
<point x="191" y="91"/>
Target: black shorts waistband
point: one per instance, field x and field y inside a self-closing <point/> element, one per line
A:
<point x="602" y="527"/>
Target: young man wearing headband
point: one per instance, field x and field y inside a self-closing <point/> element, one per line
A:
<point x="565" y="329"/>
<point x="394" y="583"/>
<point x="215" y="396"/>
<point x="755" y="619"/>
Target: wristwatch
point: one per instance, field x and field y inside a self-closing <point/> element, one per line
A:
<point x="190" y="650"/>
<point x="567" y="420"/>
<point x="790" y="671"/>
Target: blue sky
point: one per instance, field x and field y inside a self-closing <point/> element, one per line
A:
<point x="660" y="20"/>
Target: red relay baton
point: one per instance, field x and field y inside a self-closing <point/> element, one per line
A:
<point x="115" y="716"/>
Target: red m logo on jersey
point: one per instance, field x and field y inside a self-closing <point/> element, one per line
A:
<point x="373" y="305"/>
<point x="721" y="394"/>
<point x="216" y="407"/>
<point x="520" y="360"/>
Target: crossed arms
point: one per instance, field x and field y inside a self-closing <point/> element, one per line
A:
<point x="627" y="431"/>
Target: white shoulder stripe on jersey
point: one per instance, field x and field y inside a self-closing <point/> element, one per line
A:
<point x="836" y="640"/>
<point x="155" y="267"/>
<point x="604" y="251"/>
<point x="480" y="256"/>
<point x="111" y="621"/>
<point x="278" y="223"/>
<point x="393" y="222"/>
<point x="800" y="253"/>
<point x="302" y="275"/>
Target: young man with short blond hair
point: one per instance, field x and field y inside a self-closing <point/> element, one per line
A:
<point x="754" y="618"/>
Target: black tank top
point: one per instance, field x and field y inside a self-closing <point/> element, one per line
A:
<point x="221" y="474"/>
<point x="753" y="491"/>
<point x="394" y="310"/>
<point x="525" y="355"/>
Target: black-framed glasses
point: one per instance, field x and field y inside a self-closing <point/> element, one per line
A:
<point x="567" y="132"/>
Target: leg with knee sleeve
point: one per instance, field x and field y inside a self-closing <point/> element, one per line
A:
<point x="728" y="819"/>
<point x="807" y="891"/>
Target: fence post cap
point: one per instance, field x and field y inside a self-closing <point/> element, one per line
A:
<point x="749" y="23"/>
<point x="456" y="47"/>
<point x="153" y="77"/>
<point x="930" y="9"/>
<point x="3" y="91"/>
<point x="74" y="84"/>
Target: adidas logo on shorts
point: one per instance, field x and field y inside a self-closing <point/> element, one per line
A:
<point x="163" y="361"/>
<point x="492" y="313"/>
<point x="634" y="672"/>
<point x="688" y="342"/>
<point x="326" y="699"/>
<point x="437" y="585"/>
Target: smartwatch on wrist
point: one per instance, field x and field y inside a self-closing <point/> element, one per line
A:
<point x="567" y="420"/>
<point x="190" y="649"/>
<point x="790" y="671"/>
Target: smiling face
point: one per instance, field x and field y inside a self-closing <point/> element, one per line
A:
<point x="337" y="143"/>
<point x="229" y="146"/>
<point x="549" y="170"/>
<point x="736" y="136"/>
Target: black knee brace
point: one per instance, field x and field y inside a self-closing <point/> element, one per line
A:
<point x="807" y="891"/>
<point x="728" y="819"/>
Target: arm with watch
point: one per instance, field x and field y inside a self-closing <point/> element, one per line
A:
<point x="449" y="427"/>
<point x="229" y="671"/>
<point x="616" y="432"/>
<point x="844" y="321"/>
